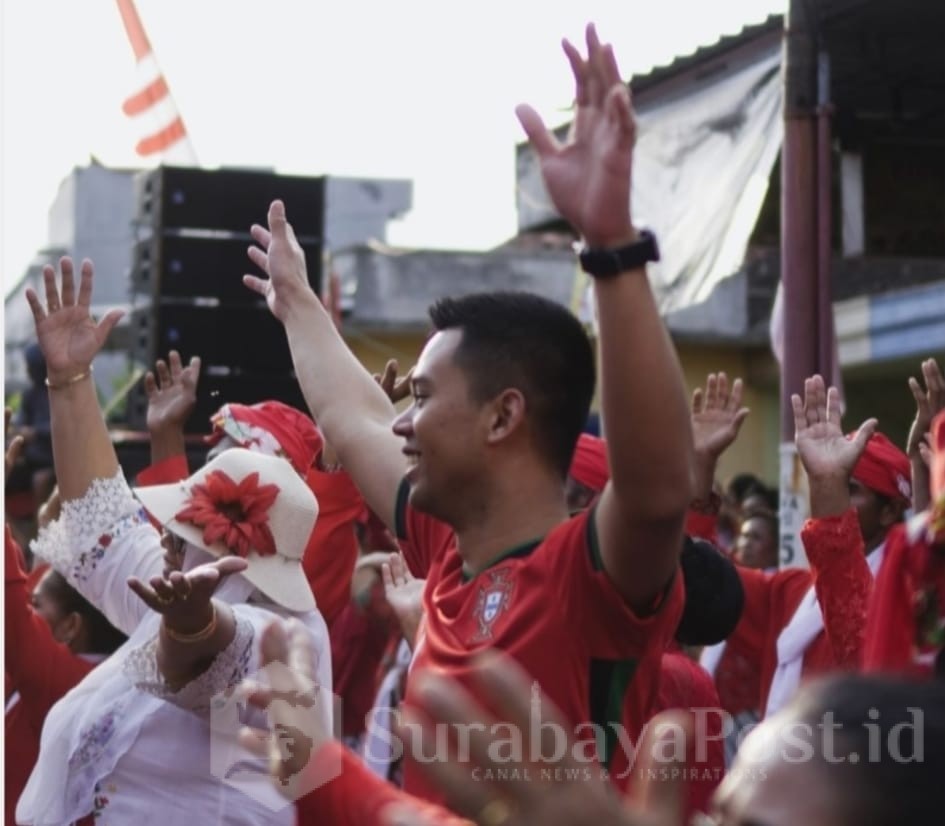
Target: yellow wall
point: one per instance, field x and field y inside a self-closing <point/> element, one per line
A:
<point x="756" y="449"/>
<point x="373" y="349"/>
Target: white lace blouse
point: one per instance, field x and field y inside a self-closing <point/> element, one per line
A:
<point x="121" y="745"/>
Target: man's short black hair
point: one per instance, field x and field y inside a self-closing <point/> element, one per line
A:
<point x="521" y="340"/>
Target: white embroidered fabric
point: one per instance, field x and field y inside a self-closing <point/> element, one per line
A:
<point x="84" y="521"/>
<point x="227" y="670"/>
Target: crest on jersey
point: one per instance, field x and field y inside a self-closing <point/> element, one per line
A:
<point x="493" y="600"/>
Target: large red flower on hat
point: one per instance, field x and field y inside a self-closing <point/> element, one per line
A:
<point x="234" y="513"/>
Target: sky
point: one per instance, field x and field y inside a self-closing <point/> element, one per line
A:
<point x="408" y="89"/>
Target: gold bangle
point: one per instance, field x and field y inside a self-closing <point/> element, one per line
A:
<point x="76" y="378"/>
<point x="198" y="636"/>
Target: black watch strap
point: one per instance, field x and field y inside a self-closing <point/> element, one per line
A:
<point x="606" y="263"/>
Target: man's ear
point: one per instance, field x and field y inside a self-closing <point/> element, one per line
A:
<point x="506" y="415"/>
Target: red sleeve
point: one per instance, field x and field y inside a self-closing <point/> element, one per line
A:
<point x="41" y="669"/>
<point x="612" y="630"/>
<point x="171" y="469"/>
<point x="752" y="630"/>
<point x="332" y="549"/>
<point x="703" y="526"/>
<point x="422" y="538"/>
<point x="842" y="577"/>
<point x="356" y="797"/>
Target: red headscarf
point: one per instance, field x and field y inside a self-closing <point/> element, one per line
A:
<point x="884" y="469"/>
<point x="270" y="427"/>
<point x="589" y="466"/>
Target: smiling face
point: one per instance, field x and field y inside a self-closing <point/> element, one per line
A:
<point x="444" y="431"/>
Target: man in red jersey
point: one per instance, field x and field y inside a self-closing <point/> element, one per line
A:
<point x="472" y="475"/>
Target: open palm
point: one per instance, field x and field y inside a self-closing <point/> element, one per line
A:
<point x="172" y="393"/>
<point x="404" y="593"/>
<point x="717" y="414"/>
<point x="588" y="178"/>
<point x="68" y="335"/>
<point x="824" y="449"/>
<point x="281" y="257"/>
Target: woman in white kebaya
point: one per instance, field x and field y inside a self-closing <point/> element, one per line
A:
<point x="151" y="735"/>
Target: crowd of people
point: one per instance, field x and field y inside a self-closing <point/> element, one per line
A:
<point x="466" y="608"/>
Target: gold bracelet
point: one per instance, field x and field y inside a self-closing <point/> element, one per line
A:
<point x="76" y="378"/>
<point x="199" y="636"/>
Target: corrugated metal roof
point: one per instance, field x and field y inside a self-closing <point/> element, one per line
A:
<point x="704" y="54"/>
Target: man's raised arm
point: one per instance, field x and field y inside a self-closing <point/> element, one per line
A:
<point x="641" y="513"/>
<point x="349" y="406"/>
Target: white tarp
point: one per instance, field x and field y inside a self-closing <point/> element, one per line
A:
<point x="700" y="174"/>
<point x="703" y="159"/>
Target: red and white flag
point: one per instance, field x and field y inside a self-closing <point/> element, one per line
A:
<point x="164" y="136"/>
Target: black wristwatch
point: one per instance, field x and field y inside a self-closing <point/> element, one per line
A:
<point x="606" y="263"/>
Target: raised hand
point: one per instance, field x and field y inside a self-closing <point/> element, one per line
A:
<point x="68" y="335"/>
<point x="717" y="415"/>
<point x="821" y="444"/>
<point x="827" y="455"/>
<point x="172" y="394"/>
<point x="928" y="402"/>
<point x="14" y="445"/>
<point x="292" y="702"/>
<point x="397" y="389"/>
<point x="50" y="510"/>
<point x="404" y="593"/>
<point x="588" y="177"/>
<point x="280" y="256"/>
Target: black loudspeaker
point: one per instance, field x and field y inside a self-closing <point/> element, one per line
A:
<point x="241" y="340"/>
<point x="184" y="266"/>
<point x="187" y="285"/>
<point x="228" y="199"/>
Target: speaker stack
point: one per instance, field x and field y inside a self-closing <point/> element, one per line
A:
<point x="187" y="286"/>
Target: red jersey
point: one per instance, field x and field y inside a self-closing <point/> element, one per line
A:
<point x="551" y="606"/>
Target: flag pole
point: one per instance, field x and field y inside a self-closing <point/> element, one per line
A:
<point x="799" y="263"/>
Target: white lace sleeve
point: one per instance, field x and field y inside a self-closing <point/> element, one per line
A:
<point x="99" y="542"/>
<point x="227" y="670"/>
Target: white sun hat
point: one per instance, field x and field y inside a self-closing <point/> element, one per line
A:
<point x="246" y="504"/>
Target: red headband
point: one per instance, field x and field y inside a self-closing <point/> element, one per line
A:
<point x="589" y="466"/>
<point x="884" y="469"/>
<point x="270" y="427"/>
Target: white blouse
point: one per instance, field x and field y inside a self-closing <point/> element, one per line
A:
<point x="121" y="744"/>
